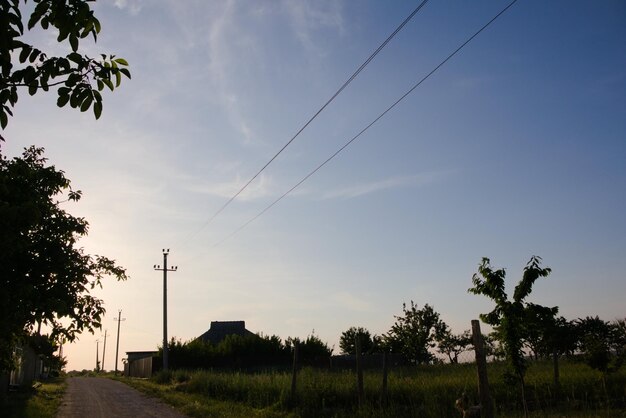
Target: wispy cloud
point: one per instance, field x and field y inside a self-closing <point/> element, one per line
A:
<point x="261" y="187"/>
<point x="132" y="6"/>
<point x="418" y="180"/>
<point x="224" y="34"/>
<point x="307" y="17"/>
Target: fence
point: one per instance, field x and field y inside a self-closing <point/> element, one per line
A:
<point x="380" y="386"/>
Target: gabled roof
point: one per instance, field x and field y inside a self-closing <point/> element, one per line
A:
<point x="220" y="329"/>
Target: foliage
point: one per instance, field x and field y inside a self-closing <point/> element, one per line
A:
<point x="509" y="316"/>
<point x="602" y="343"/>
<point x="46" y="279"/>
<point x="79" y="79"/>
<point x="369" y="344"/>
<point x="246" y="352"/>
<point x="540" y="323"/>
<point x="453" y="345"/>
<point x="415" y="333"/>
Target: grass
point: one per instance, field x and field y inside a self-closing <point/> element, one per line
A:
<point x="38" y="401"/>
<point x="426" y="391"/>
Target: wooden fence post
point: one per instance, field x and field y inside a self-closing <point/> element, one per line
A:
<point x="294" y="371"/>
<point x="486" y="404"/>
<point x="359" y="370"/>
<point x="384" y="391"/>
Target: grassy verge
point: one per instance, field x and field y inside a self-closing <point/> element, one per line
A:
<point x="427" y="391"/>
<point x="39" y="401"/>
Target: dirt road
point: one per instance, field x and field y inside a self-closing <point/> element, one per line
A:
<point x="99" y="397"/>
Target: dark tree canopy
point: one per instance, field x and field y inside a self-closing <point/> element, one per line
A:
<point x="602" y="343"/>
<point x="415" y="333"/>
<point x="78" y="78"/>
<point x="46" y="278"/>
<point x="369" y="344"/>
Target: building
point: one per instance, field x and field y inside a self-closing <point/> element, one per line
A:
<point x="220" y="329"/>
<point x="140" y="363"/>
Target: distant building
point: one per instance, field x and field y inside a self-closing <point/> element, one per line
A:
<point x="220" y="329"/>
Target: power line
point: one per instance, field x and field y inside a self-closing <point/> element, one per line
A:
<point x="321" y="109"/>
<point x="344" y="146"/>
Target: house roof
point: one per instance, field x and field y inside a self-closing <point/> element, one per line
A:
<point x="220" y="329"/>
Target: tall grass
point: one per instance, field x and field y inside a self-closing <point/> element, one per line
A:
<point x="425" y="391"/>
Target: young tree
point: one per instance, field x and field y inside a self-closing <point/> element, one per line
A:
<point x="508" y="316"/>
<point x="46" y="278"/>
<point x="78" y="78"/>
<point x="415" y="333"/>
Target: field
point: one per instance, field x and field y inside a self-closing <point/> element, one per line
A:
<point x="426" y="391"/>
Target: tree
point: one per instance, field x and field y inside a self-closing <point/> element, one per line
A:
<point x="348" y="339"/>
<point x="540" y="324"/>
<point x="508" y="316"/>
<point x="415" y="333"/>
<point x="78" y="78"/>
<point x="45" y="278"/>
<point x="602" y="343"/>
<point x="453" y="345"/>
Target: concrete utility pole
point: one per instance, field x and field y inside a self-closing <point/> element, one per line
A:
<point x="104" y="348"/>
<point x="119" y="319"/>
<point x="97" y="359"/>
<point x="165" y="270"/>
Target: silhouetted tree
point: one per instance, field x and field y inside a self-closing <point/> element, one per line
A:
<point x="369" y="344"/>
<point x="77" y="78"/>
<point x="540" y="323"/>
<point x="415" y="333"/>
<point x="46" y="278"/>
<point x="601" y="343"/>
<point x="453" y="345"/>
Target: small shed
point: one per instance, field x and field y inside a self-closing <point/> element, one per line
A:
<point x="140" y="363"/>
<point x="220" y="329"/>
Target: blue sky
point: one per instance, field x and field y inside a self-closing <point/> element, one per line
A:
<point x="516" y="147"/>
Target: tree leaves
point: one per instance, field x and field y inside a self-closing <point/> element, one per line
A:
<point x="83" y="75"/>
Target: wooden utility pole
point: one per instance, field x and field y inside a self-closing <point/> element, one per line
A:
<point x="165" y="270"/>
<point x="119" y="319"/>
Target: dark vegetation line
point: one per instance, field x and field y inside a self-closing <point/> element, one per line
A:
<point x="321" y="109"/>
<point x="415" y="86"/>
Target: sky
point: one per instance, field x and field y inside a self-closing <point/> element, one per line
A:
<point x="515" y="147"/>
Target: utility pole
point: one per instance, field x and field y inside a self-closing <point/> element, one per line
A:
<point x="165" y="270"/>
<point x="119" y="319"/>
<point x="97" y="359"/>
<point x="104" y="348"/>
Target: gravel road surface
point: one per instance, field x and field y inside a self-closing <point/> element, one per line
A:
<point x="99" y="397"/>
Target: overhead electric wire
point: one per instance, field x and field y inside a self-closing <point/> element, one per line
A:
<point x="321" y="109"/>
<point x="344" y="146"/>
